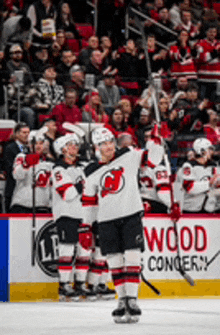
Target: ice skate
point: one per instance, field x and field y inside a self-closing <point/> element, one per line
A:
<point x="67" y="293"/>
<point x="85" y="292"/>
<point x="105" y="292"/>
<point x="119" y="314"/>
<point x="133" y="310"/>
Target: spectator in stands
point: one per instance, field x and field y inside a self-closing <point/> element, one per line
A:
<point x="93" y="111"/>
<point x="212" y="129"/>
<point x="95" y="67"/>
<point x="124" y="140"/>
<point x="57" y="47"/>
<point x="20" y="83"/>
<point x="21" y="133"/>
<point x="17" y="29"/>
<point x="174" y="13"/>
<point x="208" y="61"/>
<point x="67" y="111"/>
<point x="77" y="76"/>
<point x="4" y="77"/>
<point x="144" y="124"/>
<point x="154" y="10"/>
<point x="50" y="93"/>
<point x="126" y="107"/>
<point x="85" y="53"/>
<point x="129" y="68"/>
<point x="106" y="49"/>
<point x="65" y="22"/>
<point x="191" y="111"/>
<point x="117" y="124"/>
<point x="109" y="92"/>
<point x="40" y="12"/>
<point x="182" y="59"/>
<point x="187" y="25"/>
<point x="40" y="60"/>
<point x="50" y="136"/>
<point x="63" y="68"/>
<point x="162" y="35"/>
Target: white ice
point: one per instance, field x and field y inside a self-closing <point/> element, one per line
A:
<point x="159" y="317"/>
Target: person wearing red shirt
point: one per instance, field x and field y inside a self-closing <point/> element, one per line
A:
<point x="94" y="111"/>
<point x="212" y="129"/>
<point x="67" y="111"/>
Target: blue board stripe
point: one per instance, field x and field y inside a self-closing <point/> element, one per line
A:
<point x="4" y="224"/>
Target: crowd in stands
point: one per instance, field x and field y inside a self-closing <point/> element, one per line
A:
<point x="51" y="71"/>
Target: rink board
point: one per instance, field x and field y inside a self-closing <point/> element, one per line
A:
<point x="28" y="259"/>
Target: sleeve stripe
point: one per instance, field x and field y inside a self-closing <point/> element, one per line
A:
<point x="89" y="200"/>
<point x="62" y="189"/>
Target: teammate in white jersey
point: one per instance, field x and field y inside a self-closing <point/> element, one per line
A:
<point x="68" y="178"/>
<point x="112" y="193"/>
<point x="200" y="179"/>
<point x="32" y="168"/>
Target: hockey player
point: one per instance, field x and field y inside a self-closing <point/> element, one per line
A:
<point x="199" y="179"/>
<point x="155" y="185"/>
<point x="23" y="173"/>
<point x="111" y="184"/>
<point x="68" y="178"/>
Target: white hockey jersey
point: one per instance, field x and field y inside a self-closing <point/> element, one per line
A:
<point x="196" y="190"/>
<point x="113" y="187"/>
<point x="23" y="192"/>
<point x="155" y="184"/>
<point x="66" y="200"/>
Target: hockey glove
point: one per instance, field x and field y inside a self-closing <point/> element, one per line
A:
<point x="79" y="187"/>
<point x="30" y="160"/>
<point x="175" y="212"/>
<point x="85" y="236"/>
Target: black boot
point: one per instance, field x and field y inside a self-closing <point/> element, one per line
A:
<point x="132" y="307"/>
<point x="66" y="291"/>
<point x="84" y="291"/>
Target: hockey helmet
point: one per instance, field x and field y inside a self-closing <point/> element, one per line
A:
<point x="37" y="135"/>
<point x="201" y="145"/>
<point x="100" y="135"/>
<point x="62" y="141"/>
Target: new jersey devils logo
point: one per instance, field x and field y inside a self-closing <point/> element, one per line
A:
<point x="112" y="181"/>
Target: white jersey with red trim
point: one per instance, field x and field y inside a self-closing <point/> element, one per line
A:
<point x="113" y="187"/>
<point x="155" y="184"/>
<point x="66" y="195"/>
<point x="23" y="192"/>
<point x="195" y="182"/>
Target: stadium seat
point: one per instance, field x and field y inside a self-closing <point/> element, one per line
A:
<point x="85" y="30"/>
<point x="6" y="129"/>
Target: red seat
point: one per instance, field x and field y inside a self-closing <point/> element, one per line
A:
<point x="85" y="30"/>
<point x="6" y="129"/>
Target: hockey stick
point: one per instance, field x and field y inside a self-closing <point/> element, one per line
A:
<point x="167" y="163"/>
<point x="152" y="287"/>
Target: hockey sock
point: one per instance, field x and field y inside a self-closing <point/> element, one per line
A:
<point x="65" y="264"/>
<point x="116" y="265"/>
<point x="82" y="263"/>
<point x="98" y="266"/>
<point x="132" y="272"/>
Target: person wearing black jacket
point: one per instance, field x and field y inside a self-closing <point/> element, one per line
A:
<point x="21" y="133"/>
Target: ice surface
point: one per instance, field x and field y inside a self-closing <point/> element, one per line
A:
<point x="159" y="317"/>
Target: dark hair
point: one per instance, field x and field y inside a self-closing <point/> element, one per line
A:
<point x="25" y="23"/>
<point x="193" y="87"/>
<point x="19" y="126"/>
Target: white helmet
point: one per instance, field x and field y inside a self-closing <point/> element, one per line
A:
<point x="62" y="141"/>
<point x="201" y="145"/>
<point x="37" y="135"/>
<point x="100" y="135"/>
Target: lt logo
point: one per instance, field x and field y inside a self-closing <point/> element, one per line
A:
<point x="112" y="181"/>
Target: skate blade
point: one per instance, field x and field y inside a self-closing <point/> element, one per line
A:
<point x="106" y="297"/>
<point x="127" y="318"/>
<point x="68" y="299"/>
<point x="133" y="319"/>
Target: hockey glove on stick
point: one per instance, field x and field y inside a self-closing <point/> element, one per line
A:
<point x="31" y="160"/>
